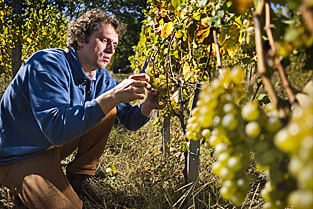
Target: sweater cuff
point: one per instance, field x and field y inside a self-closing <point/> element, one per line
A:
<point x="97" y="108"/>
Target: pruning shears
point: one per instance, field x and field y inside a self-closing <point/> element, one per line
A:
<point x="144" y="67"/>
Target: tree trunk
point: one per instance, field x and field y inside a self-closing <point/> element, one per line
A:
<point x="16" y="54"/>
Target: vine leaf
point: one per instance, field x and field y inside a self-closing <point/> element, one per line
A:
<point x="187" y="71"/>
<point x="231" y="35"/>
<point x="202" y="3"/>
<point x="242" y="5"/>
<point x="167" y="29"/>
<point x="202" y="33"/>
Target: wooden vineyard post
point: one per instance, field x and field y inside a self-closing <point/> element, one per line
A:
<point x="193" y="161"/>
<point x="166" y="137"/>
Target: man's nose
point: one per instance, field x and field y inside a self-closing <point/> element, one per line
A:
<point x="109" y="47"/>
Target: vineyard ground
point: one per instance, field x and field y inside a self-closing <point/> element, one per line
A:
<point x="137" y="175"/>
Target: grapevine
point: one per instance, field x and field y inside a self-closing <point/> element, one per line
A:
<point x="177" y="39"/>
<point x="229" y="47"/>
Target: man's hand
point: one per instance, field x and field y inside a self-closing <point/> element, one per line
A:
<point x="150" y="103"/>
<point x="132" y="88"/>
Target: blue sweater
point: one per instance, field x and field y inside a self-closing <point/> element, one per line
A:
<point x="51" y="101"/>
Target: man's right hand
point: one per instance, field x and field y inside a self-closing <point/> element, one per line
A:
<point x="132" y="88"/>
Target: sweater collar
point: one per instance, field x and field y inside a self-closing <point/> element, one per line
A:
<point x="77" y="71"/>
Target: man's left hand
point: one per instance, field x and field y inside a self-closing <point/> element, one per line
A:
<point x="150" y="103"/>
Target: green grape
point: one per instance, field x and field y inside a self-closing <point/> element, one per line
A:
<point x="229" y="108"/>
<point x="220" y="148"/>
<point x="230" y="122"/>
<point x="234" y="136"/>
<point x="215" y="140"/>
<point x="285" y="142"/>
<point x="195" y="112"/>
<point x="253" y="129"/>
<point x="266" y="191"/>
<point x="223" y="158"/>
<point x="191" y="135"/>
<point x="250" y="111"/>
<point x="234" y="163"/>
<point x="295" y="165"/>
<point x="305" y="176"/>
<point x="301" y="199"/>
<point x="237" y="75"/>
<point x="206" y="133"/>
<point x="216" y="168"/>
<point x="218" y="112"/>
<point x="273" y="124"/>
<point x="226" y="174"/>
<point x="228" y="189"/>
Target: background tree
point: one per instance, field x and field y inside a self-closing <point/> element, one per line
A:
<point x="130" y="12"/>
<point x="35" y="25"/>
<point x="27" y="26"/>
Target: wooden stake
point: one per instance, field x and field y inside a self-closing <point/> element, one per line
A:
<point x="193" y="161"/>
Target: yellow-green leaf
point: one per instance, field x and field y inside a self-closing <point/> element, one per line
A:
<point x="242" y="5"/>
<point x="167" y="29"/>
<point x="202" y="34"/>
<point x="187" y="72"/>
<point x="204" y="22"/>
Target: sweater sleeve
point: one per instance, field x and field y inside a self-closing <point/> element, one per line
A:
<point x="58" y="119"/>
<point x="131" y="116"/>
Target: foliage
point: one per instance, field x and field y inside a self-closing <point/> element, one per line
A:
<point x="177" y="40"/>
<point x="39" y="26"/>
<point x="261" y="37"/>
<point x="42" y="24"/>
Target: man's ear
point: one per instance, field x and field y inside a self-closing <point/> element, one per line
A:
<point x="80" y="41"/>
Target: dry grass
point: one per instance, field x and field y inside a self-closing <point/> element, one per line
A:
<point x="140" y="177"/>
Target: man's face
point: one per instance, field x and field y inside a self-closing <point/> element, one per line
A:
<point x="97" y="53"/>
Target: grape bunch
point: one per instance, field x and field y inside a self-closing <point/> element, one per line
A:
<point x="269" y="159"/>
<point x="168" y="92"/>
<point x="217" y="119"/>
<point x="236" y="127"/>
<point x="297" y="140"/>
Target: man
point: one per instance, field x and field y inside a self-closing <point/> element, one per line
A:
<point x="61" y="100"/>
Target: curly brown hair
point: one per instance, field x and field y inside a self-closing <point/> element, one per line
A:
<point x="87" y="23"/>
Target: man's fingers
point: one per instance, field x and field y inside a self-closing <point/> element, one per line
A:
<point x="141" y="84"/>
<point x="139" y="90"/>
<point x="140" y="77"/>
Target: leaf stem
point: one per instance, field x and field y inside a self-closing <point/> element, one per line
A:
<point x="217" y="49"/>
<point x="261" y="61"/>
<point x="281" y="71"/>
<point x="307" y="15"/>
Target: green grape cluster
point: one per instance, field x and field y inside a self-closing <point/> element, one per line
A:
<point x="236" y="128"/>
<point x="261" y="126"/>
<point x="168" y="93"/>
<point x="217" y="119"/>
<point x="297" y="140"/>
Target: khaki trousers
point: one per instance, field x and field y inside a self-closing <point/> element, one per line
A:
<point x="39" y="181"/>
